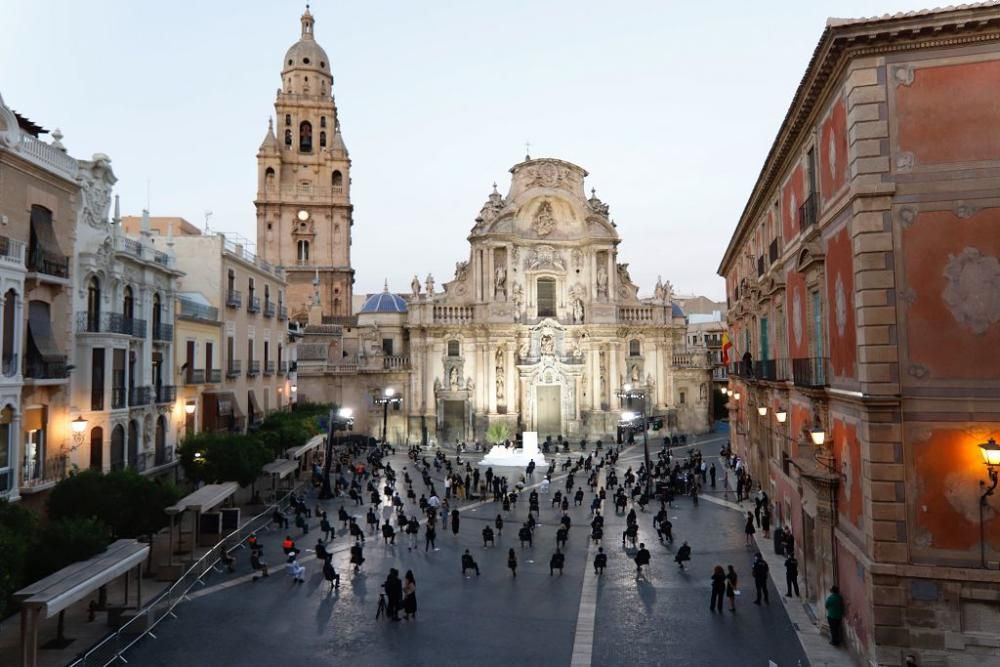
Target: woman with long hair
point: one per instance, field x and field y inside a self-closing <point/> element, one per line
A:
<point x="409" y="596"/>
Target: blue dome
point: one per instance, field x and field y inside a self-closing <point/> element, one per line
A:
<point x="675" y="310"/>
<point x="384" y="302"/>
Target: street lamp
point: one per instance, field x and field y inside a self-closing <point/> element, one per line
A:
<point x="190" y="407"/>
<point x="388" y="397"/>
<point x="818" y="435"/>
<point x="991" y="457"/>
<point x="762" y="410"/>
<point x="343" y="419"/>
<point x="780" y="415"/>
<point x="628" y="393"/>
<point x="736" y="395"/>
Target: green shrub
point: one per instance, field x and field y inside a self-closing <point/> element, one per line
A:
<point x="63" y="542"/>
<point x="17" y="528"/>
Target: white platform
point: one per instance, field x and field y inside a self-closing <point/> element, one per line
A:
<point x="500" y="456"/>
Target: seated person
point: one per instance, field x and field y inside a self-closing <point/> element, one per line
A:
<point x="257" y="562"/>
<point x="557" y="562"/>
<point x="321" y="552"/>
<point x="524" y="535"/>
<point x="600" y="561"/>
<point x="488" y="536"/>
<point x="468" y="563"/>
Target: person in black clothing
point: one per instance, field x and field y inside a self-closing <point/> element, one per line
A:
<point x="488" y="537"/>
<point x="600" y="561"/>
<point x="321" y="552"/>
<point x="718" y="588"/>
<point x="561" y="536"/>
<point x="749" y="530"/>
<point x="499" y="524"/>
<point x="330" y="574"/>
<point x="557" y="562"/>
<point x="641" y="558"/>
<point x="468" y="563"/>
<point x="454" y="522"/>
<point x="357" y="556"/>
<point x="524" y="535"/>
<point x="792" y="575"/>
<point x="512" y="561"/>
<point x="430" y="535"/>
<point x="759" y="571"/>
<point x="578" y="497"/>
<point x="683" y="555"/>
<point x="394" y="592"/>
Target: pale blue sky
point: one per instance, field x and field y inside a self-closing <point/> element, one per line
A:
<point x="670" y="106"/>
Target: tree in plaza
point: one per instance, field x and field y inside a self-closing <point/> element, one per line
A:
<point x="281" y="431"/>
<point x="63" y="542"/>
<point x="498" y="432"/>
<point x="224" y="457"/>
<point x="17" y="527"/>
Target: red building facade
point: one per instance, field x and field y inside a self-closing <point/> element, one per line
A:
<point x="864" y="280"/>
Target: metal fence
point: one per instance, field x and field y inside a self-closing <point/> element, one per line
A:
<point x="110" y="649"/>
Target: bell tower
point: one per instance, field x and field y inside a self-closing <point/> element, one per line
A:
<point x="304" y="212"/>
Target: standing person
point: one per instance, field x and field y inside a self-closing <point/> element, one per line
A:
<point x="711" y="473"/>
<point x="835" y="615"/>
<point x="718" y="588"/>
<point x="454" y="522"/>
<point x="512" y="562"/>
<point x="394" y="592"/>
<point x="792" y="575"/>
<point x="759" y="572"/>
<point x="325" y="526"/>
<point x="430" y="534"/>
<point x="409" y="596"/>
<point x="499" y="524"/>
<point x="765" y="521"/>
<point x="749" y="529"/>
<point x="732" y="585"/>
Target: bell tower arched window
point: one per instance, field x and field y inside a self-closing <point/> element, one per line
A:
<point x="305" y="137"/>
<point x="337" y="180"/>
<point x="288" y="137"/>
<point x="322" y="139"/>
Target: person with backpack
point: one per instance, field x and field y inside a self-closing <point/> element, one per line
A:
<point x="759" y="570"/>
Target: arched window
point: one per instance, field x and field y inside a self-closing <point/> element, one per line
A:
<point x="322" y="121"/>
<point x="303" y="251"/>
<point x="118" y="448"/>
<point x="322" y="139"/>
<point x="337" y="179"/>
<point x="634" y="348"/>
<point x="546" y="293"/>
<point x="128" y="304"/>
<point x="157" y="317"/>
<point x="133" y="444"/>
<point x="97" y="448"/>
<point x="305" y="137"/>
<point x="94" y="304"/>
<point x="288" y="119"/>
<point x="454" y="348"/>
<point x="10" y="329"/>
<point x="269" y="177"/>
<point x="288" y="137"/>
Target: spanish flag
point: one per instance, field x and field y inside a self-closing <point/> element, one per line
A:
<point x="726" y="346"/>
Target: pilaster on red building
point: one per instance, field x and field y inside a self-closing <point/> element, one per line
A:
<point x="863" y="278"/>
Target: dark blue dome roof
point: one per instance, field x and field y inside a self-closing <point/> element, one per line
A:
<point x="675" y="310"/>
<point x="384" y="302"/>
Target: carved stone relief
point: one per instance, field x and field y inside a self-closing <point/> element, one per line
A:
<point x="545" y="220"/>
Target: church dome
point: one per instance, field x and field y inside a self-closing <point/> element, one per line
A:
<point x="306" y="53"/>
<point x="384" y="302"/>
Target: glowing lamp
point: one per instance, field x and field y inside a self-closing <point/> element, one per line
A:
<point x="736" y="395"/>
<point x="190" y="407"/>
<point x="818" y="436"/>
<point x="79" y="425"/>
<point x="780" y="415"/>
<point x="991" y="452"/>
<point x="628" y="416"/>
<point x="345" y="413"/>
<point x="762" y="410"/>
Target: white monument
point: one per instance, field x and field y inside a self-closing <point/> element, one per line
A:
<point x="511" y="457"/>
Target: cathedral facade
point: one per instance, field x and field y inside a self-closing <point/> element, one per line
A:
<point x="541" y="327"/>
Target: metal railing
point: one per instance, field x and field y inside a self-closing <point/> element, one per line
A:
<point x="110" y="649"/>
<point x="97" y="398"/>
<point x="282" y="313"/>
<point x="166" y="393"/>
<point x="774" y="370"/>
<point x="197" y="311"/>
<point x="121" y="323"/>
<point x="213" y="375"/>
<point x="118" y="395"/>
<point x="810" y="372"/>
<point x="234" y="368"/>
<point x="253" y="304"/>
<point x="253" y="368"/>
<point x="163" y="456"/>
<point x="43" y="472"/>
<point x="163" y="332"/>
<point x="49" y="263"/>
<point x="269" y="367"/>
<point x="140" y="396"/>
<point x="807" y="212"/>
<point x="268" y="308"/>
<point x="234" y="299"/>
<point x="195" y="376"/>
<point x="39" y="369"/>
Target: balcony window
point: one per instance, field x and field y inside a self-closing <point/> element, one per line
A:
<point x="118" y="448"/>
<point x="10" y="327"/>
<point x="94" y="304"/>
<point x="44" y="254"/>
<point x="45" y="361"/>
<point x="303" y="251"/>
<point x="6" y="472"/>
<point x="133" y="444"/>
<point x="35" y="421"/>
<point x="157" y="317"/>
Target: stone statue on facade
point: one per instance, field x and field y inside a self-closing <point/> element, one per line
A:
<point x="524" y="351"/>
<point x="664" y="291"/>
<point x="500" y="394"/>
<point x="602" y="282"/>
<point x="545" y="220"/>
<point x="453" y="378"/>
<point x="429" y="285"/>
<point x="635" y="373"/>
<point x="518" y="301"/>
<point x="577" y="311"/>
<point x="548" y="345"/>
<point x="415" y="287"/>
<point x="500" y="282"/>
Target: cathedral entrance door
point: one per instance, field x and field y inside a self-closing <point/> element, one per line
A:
<point x="549" y="414"/>
<point x="454" y="421"/>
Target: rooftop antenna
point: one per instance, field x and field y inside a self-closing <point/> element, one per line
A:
<point x="527" y="150"/>
<point x="208" y="214"/>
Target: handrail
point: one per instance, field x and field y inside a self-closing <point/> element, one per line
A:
<point x="110" y="649"/>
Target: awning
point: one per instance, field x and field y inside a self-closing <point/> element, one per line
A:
<point x="40" y="332"/>
<point x="41" y="225"/>
<point x="220" y="411"/>
<point x="314" y="442"/>
<point x="205" y="498"/>
<point x="253" y="407"/>
<point x="281" y="467"/>
<point x="34" y="419"/>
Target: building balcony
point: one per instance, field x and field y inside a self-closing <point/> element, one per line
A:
<point x="163" y="332"/>
<point x="690" y="360"/>
<point x="48" y="263"/>
<point x="42" y="475"/>
<point x="214" y="375"/>
<point x="253" y="368"/>
<point x="118" y="396"/>
<point x="136" y="249"/>
<point x="234" y="299"/>
<point x="11" y="252"/>
<point x="195" y="376"/>
<point x="163" y="456"/>
<point x="282" y="367"/>
<point x="396" y="361"/>
<point x="166" y="393"/>
<point x="282" y="313"/>
<point x="193" y="310"/>
<point x="773" y="370"/>
<point x="268" y="308"/>
<point x="130" y="326"/>
<point x="139" y="396"/>
<point x="807" y="212"/>
<point x="39" y="369"/>
<point x="234" y="368"/>
<point x="253" y="304"/>
<point x="810" y="372"/>
<point x="97" y="398"/>
<point x="269" y="367"/>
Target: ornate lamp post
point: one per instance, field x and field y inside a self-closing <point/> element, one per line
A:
<point x="991" y="457"/>
<point x="342" y="419"/>
<point x="389" y="396"/>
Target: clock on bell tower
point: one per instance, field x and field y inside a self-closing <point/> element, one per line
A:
<point x="304" y="212"/>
